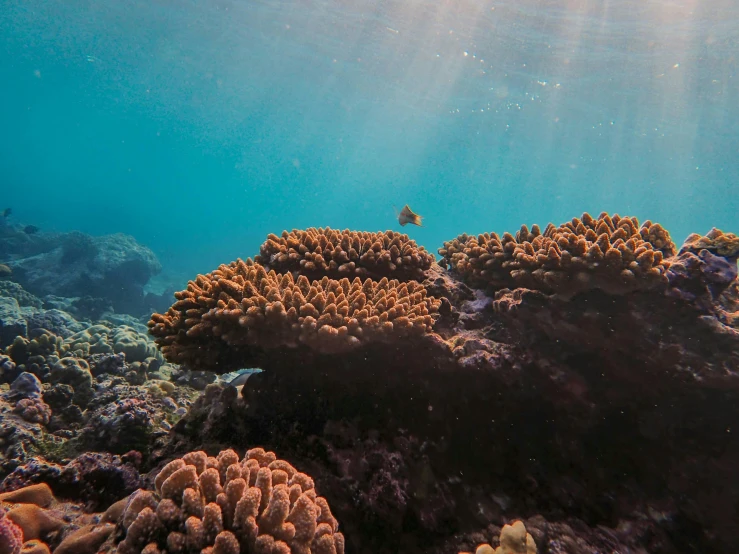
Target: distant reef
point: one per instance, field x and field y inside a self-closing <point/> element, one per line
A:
<point x="110" y="271"/>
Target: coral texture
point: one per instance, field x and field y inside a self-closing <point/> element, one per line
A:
<point x="102" y="339"/>
<point x="34" y="410"/>
<point x="99" y="479"/>
<point x="11" y="536"/>
<point x="329" y="252"/>
<point x="11" y="289"/>
<point x="610" y="253"/>
<point x="12" y="322"/>
<point x="223" y="319"/>
<point x="225" y="505"/>
<point x="715" y="241"/>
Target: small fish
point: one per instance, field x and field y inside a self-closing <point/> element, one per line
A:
<point x="7" y="212"/>
<point x="31" y="229"/>
<point x="406" y="216"/>
<point x="241" y="376"/>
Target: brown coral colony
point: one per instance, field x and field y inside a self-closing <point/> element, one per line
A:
<point x="251" y="309"/>
<point x="225" y="505"/>
<point x="611" y="253"/>
<point x="328" y="252"/>
<point x="332" y="291"/>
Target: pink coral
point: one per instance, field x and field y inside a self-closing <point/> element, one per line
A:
<point x="34" y="410"/>
<point x="11" y="536"/>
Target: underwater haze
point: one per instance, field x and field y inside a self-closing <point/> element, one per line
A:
<point x="369" y="277"/>
<point x="199" y="127"/>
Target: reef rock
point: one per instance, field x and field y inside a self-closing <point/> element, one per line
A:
<point x="14" y="290"/>
<point x="57" y="321"/>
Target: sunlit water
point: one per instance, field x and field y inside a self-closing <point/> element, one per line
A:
<point x="201" y="126"/>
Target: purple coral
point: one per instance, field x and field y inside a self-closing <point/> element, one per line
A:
<point x="11" y="536"/>
<point x="33" y="410"/>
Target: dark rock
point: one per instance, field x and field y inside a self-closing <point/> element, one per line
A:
<point x="8" y="370"/>
<point x="56" y="321"/>
<point x="11" y="289"/>
<point x="195" y="379"/>
<point x="120" y="426"/>
<point x="98" y="479"/>
<point x="90" y="308"/>
<point x="62" y="303"/>
<point x="59" y="397"/>
<point x="26" y="385"/>
<point x="113" y="364"/>
<point x="134" y="377"/>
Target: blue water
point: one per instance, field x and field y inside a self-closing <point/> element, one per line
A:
<point x="201" y="126"/>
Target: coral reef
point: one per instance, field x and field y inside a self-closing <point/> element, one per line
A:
<point x="614" y="254"/>
<point x="704" y="269"/>
<point x="40" y="353"/>
<point x="224" y="505"/>
<point x="36" y="355"/>
<point x="542" y="380"/>
<point x="326" y="252"/>
<point x="58" y="406"/>
<point x="681" y="330"/>
<point x="546" y="381"/>
<point x="226" y="319"/>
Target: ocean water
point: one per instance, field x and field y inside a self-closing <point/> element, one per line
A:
<point x="199" y="127"/>
<point x="595" y="404"/>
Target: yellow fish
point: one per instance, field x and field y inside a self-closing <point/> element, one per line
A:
<point x="406" y="216"/>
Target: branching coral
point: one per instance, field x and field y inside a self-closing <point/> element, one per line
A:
<point x="242" y="306"/>
<point x="223" y="505"/>
<point x="610" y="253"/>
<point x="336" y="254"/>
